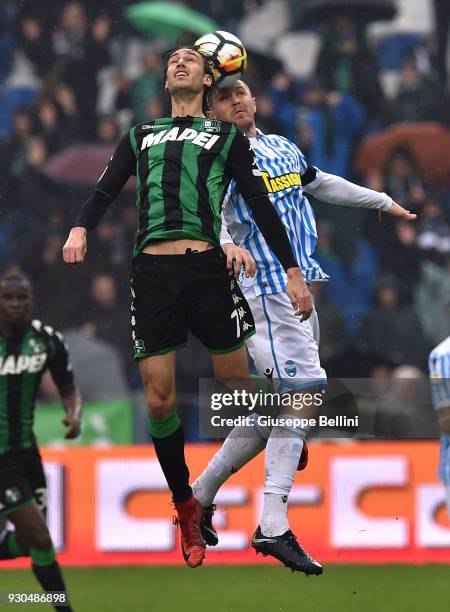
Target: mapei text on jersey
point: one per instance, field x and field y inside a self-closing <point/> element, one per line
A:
<point x="23" y="363"/>
<point x="202" y="139"/>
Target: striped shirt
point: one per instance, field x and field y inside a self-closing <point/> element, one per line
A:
<point x="439" y="366"/>
<point x="282" y="165"/>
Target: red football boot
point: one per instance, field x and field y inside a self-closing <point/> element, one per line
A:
<point x="303" y="462"/>
<point x="193" y="546"/>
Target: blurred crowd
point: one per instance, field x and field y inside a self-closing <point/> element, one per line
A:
<point x="76" y="73"/>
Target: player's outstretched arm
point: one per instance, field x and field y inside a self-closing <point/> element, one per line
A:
<point x="119" y="169"/>
<point x="336" y="190"/>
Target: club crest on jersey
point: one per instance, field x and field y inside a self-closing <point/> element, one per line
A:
<point x="281" y="182"/>
<point x="290" y="368"/>
<point x="35" y="345"/>
<point x="22" y="363"/>
<point x="201" y="139"/>
<point x="211" y="125"/>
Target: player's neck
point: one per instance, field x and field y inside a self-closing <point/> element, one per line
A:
<point x="12" y="330"/>
<point x="185" y="103"/>
<point x="250" y="131"/>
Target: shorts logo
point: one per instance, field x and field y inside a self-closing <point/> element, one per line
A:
<point x="290" y="368"/>
<point x="139" y="346"/>
<point x="12" y="495"/>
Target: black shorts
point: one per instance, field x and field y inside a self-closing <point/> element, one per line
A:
<point x="22" y="480"/>
<point x="172" y="294"/>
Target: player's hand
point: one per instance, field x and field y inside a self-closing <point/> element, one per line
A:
<point x="73" y="426"/>
<point x="299" y="294"/>
<point x="238" y="257"/>
<point x="398" y="211"/>
<point x="74" y="251"/>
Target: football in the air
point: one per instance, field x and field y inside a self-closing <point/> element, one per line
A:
<point x="226" y="56"/>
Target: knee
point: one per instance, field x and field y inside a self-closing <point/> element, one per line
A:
<point x="40" y="539"/>
<point x="159" y="403"/>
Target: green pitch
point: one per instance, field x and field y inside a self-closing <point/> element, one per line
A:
<point x="347" y="588"/>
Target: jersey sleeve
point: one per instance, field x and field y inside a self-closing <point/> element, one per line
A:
<point x="439" y="366"/>
<point x="59" y="361"/>
<point x="309" y="175"/>
<point x="121" y="166"/>
<point x="242" y="166"/>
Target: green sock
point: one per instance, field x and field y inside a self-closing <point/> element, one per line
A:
<point x="48" y="573"/>
<point x="163" y="428"/>
<point x="168" y="440"/>
<point x="42" y="557"/>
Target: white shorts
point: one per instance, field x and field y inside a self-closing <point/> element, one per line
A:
<point x="283" y="347"/>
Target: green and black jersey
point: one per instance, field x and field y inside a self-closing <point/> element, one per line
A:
<point x="183" y="166"/>
<point x="23" y="361"/>
<point x="182" y="174"/>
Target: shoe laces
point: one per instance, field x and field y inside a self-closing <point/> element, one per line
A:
<point x="292" y="543"/>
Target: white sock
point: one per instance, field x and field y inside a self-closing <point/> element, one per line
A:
<point x="283" y="451"/>
<point x="241" y="445"/>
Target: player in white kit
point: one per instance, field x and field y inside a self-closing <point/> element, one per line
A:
<point x="439" y="366"/>
<point x="284" y="347"/>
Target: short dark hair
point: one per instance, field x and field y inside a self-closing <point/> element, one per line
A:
<point x="15" y="277"/>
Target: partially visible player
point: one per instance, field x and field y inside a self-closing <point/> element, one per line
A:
<point x="439" y="366"/>
<point x="283" y="347"/>
<point x="27" y="349"/>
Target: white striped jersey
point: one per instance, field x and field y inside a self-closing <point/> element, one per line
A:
<point x="439" y="366"/>
<point x="281" y="164"/>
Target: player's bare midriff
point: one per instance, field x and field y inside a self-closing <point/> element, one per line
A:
<point x="176" y="247"/>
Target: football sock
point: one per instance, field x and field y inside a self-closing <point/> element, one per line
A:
<point x="240" y="446"/>
<point x="283" y="451"/>
<point x="168" y="439"/>
<point x="9" y="549"/>
<point x="48" y="573"/>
